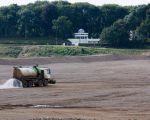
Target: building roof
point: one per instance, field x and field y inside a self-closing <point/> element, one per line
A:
<point x="81" y="31"/>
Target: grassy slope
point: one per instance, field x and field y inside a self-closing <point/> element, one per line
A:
<point x="7" y="51"/>
<point x="11" y="51"/>
<point x="30" y="41"/>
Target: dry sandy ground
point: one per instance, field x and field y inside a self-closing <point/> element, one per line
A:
<point x="97" y="87"/>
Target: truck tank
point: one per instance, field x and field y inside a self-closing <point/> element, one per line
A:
<point x="24" y="72"/>
<point x="33" y="76"/>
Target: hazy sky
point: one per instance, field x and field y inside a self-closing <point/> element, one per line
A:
<point x="96" y="2"/>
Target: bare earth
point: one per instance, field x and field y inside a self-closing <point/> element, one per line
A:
<point x="96" y="87"/>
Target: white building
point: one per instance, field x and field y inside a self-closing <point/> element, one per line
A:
<point x="81" y="37"/>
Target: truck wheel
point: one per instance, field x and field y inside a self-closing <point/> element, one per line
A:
<point x="30" y="84"/>
<point x="25" y="84"/>
<point x="40" y="83"/>
<point x="52" y="82"/>
<point x="45" y="83"/>
<point x="36" y="84"/>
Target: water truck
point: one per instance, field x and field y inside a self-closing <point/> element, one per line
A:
<point x="33" y="76"/>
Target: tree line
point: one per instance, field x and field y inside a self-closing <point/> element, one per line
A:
<point x="131" y="31"/>
<point x="114" y="24"/>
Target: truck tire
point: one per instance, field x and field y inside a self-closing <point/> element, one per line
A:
<point x="24" y="84"/>
<point x="30" y="84"/>
<point x="52" y="81"/>
<point x="36" y="85"/>
<point x="45" y="83"/>
<point x="40" y="83"/>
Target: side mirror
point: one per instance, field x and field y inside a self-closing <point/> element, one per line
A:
<point x="49" y="71"/>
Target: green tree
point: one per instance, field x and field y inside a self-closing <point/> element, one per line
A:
<point x="62" y="27"/>
<point x="88" y="17"/>
<point x="111" y="13"/>
<point x="143" y="31"/>
<point x="142" y="35"/>
<point x="49" y="13"/>
<point x="38" y="24"/>
<point x="12" y="18"/>
<point x="135" y="18"/>
<point x="8" y="20"/>
<point x="26" y="22"/>
<point x="116" y="35"/>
